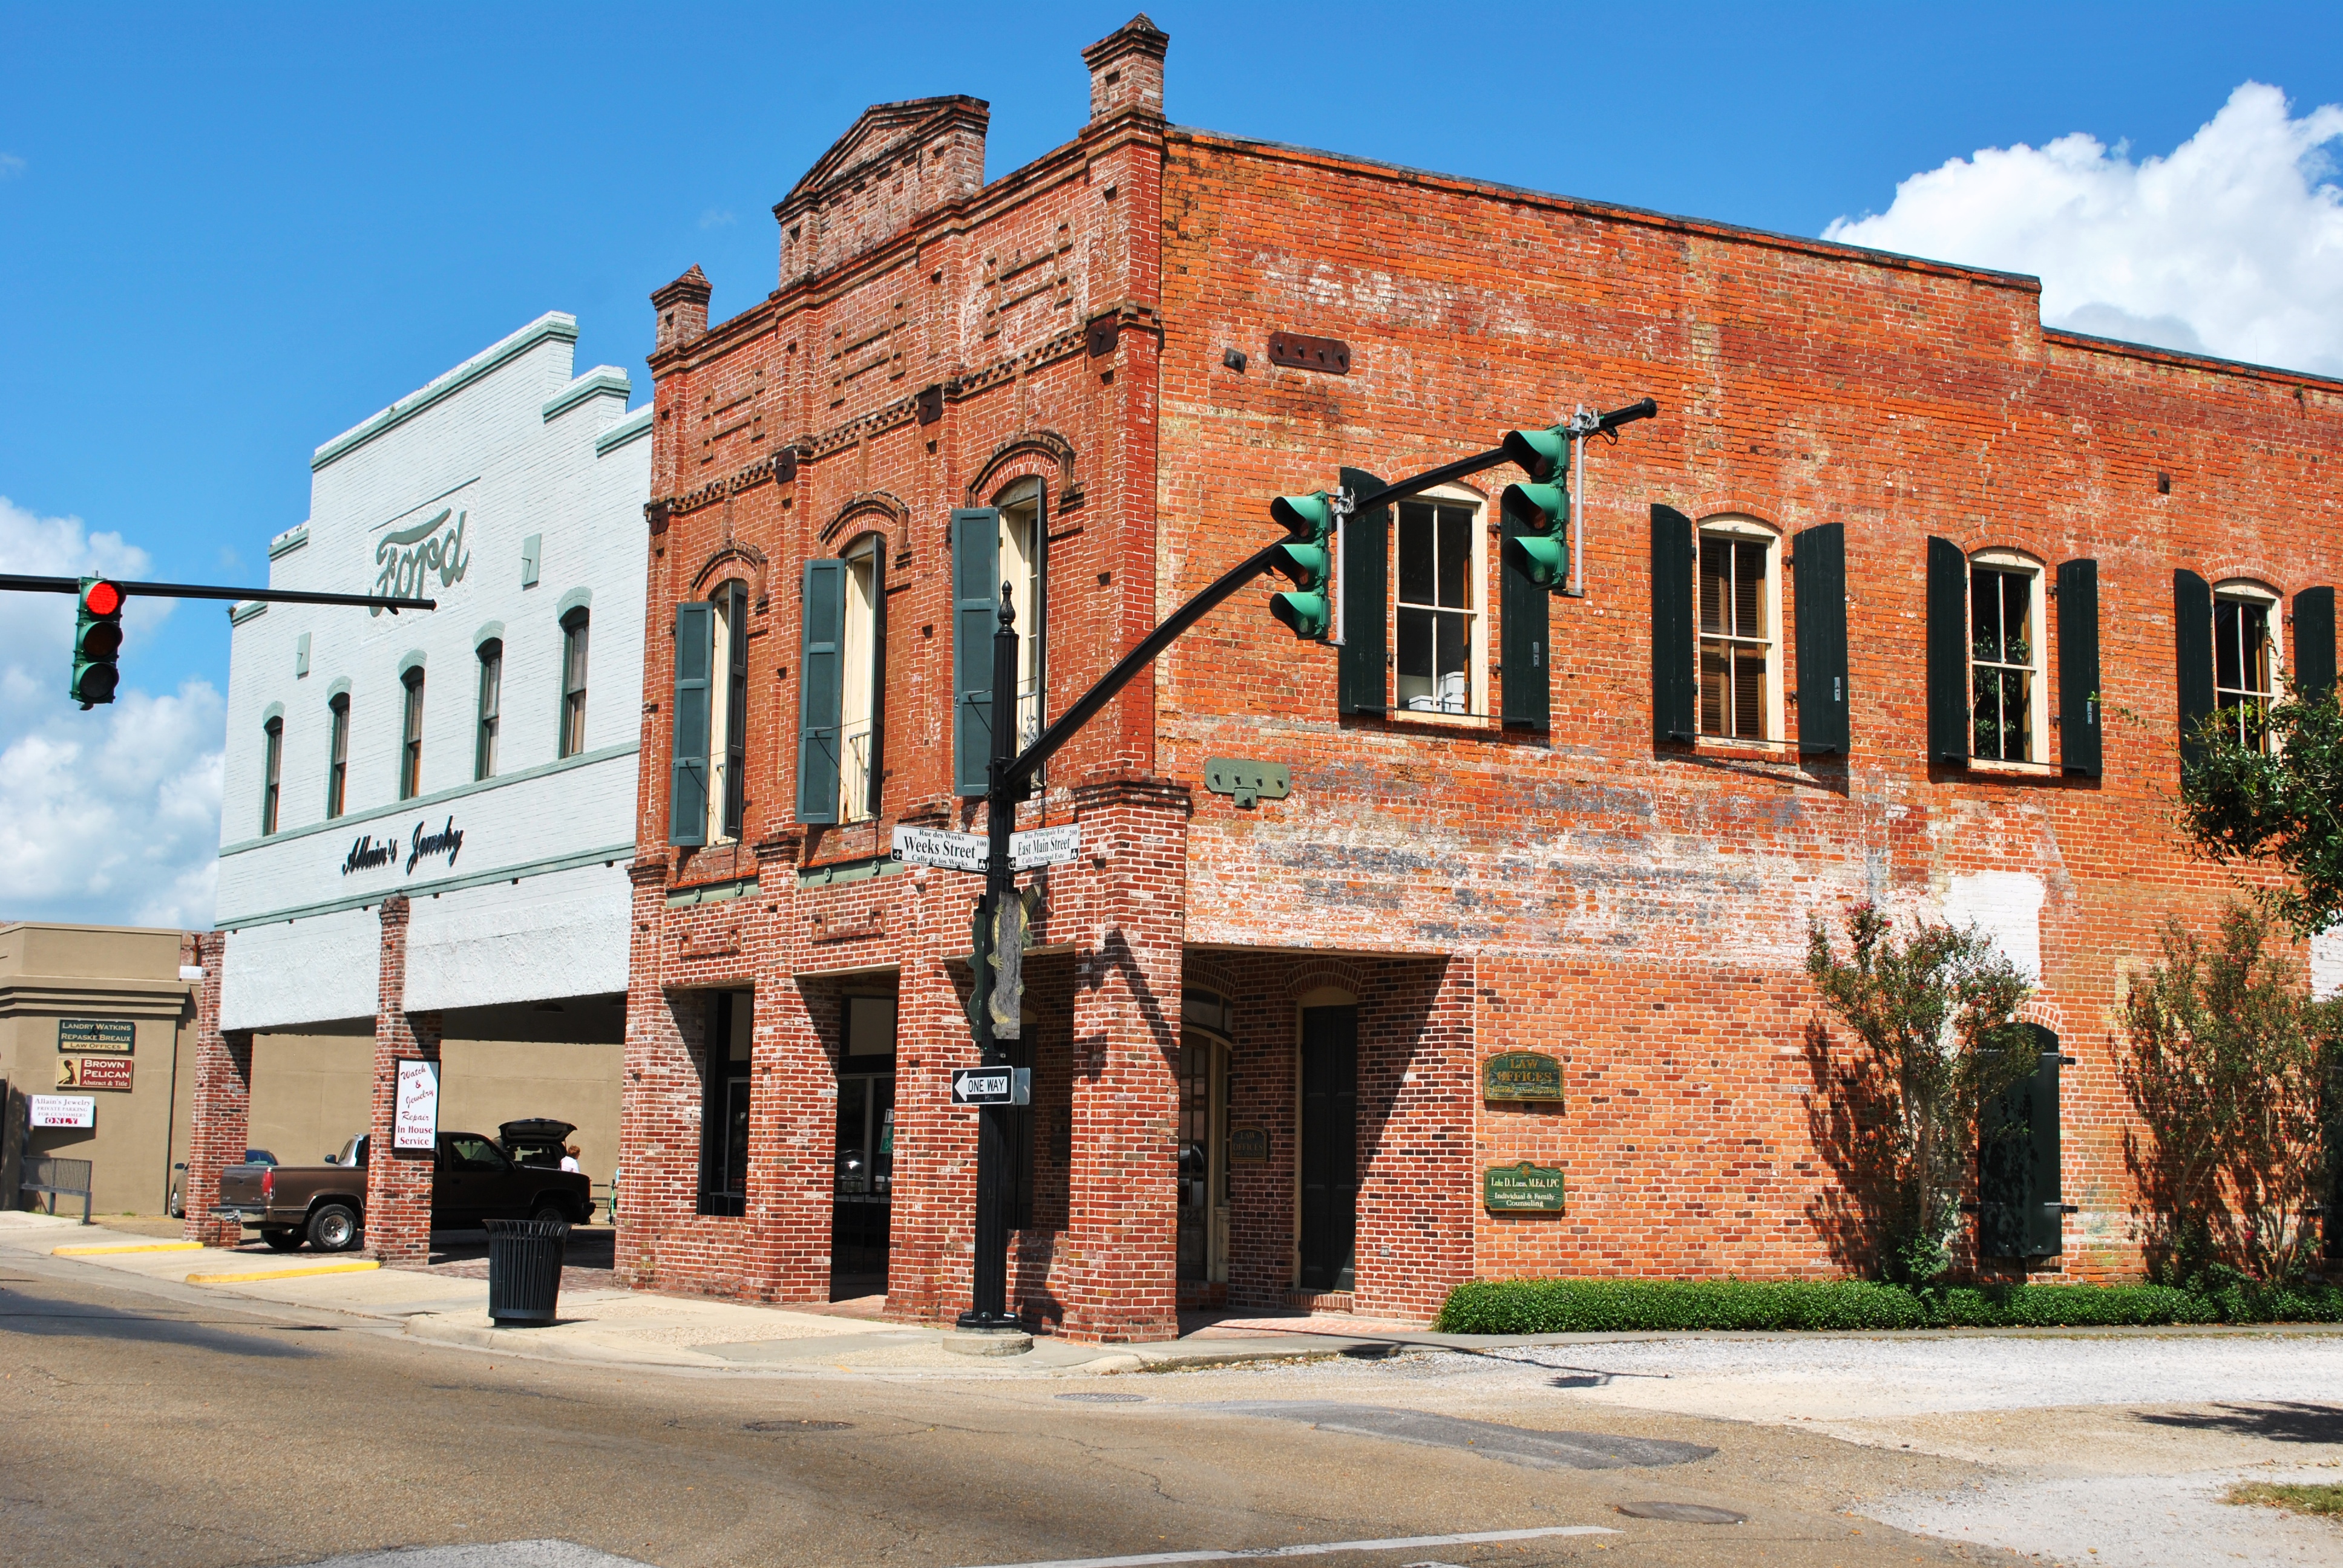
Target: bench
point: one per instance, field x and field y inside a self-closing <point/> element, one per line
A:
<point x="56" y="1178"/>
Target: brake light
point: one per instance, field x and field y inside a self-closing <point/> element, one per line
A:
<point x="268" y="1183"/>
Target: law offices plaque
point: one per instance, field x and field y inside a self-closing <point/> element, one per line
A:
<point x="1522" y="1188"/>
<point x="86" y="1034"/>
<point x="1521" y="1075"/>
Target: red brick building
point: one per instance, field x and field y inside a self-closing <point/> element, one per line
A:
<point x="1259" y="1030"/>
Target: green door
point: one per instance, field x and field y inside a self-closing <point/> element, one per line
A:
<point x="1329" y="1145"/>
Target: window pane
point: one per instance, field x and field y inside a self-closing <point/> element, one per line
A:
<point x="1415" y="673"/>
<point x="1748" y="691"/>
<point x="1715" y="687"/>
<point x="2017" y="617"/>
<point x="2228" y="667"/>
<point x="1984" y="616"/>
<point x="1984" y="715"/>
<point x="2253" y="646"/>
<point x="854" y="1135"/>
<point x="1748" y="583"/>
<point x="1415" y="555"/>
<point x="1715" y="583"/>
<point x="1452" y="642"/>
<point x="1455" y="558"/>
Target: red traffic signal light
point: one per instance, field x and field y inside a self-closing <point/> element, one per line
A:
<point x="97" y="639"/>
<point x="100" y="597"/>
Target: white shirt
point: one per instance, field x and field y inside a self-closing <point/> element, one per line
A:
<point x="569" y="1163"/>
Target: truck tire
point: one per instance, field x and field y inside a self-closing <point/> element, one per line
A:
<point x="282" y="1238"/>
<point x="333" y="1227"/>
<point x="550" y="1209"/>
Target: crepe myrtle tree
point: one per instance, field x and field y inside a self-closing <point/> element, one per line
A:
<point x="1935" y="1013"/>
<point x="2277" y="804"/>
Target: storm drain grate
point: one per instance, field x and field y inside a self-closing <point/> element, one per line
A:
<point x="1682" y="1512"/>
<point x="796" y="1425"/>
<point x="1104" y="1398"/>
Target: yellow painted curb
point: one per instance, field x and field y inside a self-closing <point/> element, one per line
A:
<point x="146" y="1247"/>
<point x="249" y="1276"/>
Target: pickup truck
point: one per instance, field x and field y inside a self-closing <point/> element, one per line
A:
<point x="324" y="1205"/>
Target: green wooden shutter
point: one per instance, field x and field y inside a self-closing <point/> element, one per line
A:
<point x="1675" y="688"/>
<point x="2314" y="643"/>
<point x="1362" y="664"/>
<point x="821" y="677"/>
<point x="976" y="615"/>
<point x="1525" y="644"/>
<point x="2192" y="648"/>
<point x="694" y="648"/>
<point x="2078" y="668"/>
<point x="1948" y="653"/>
<point x="1818" y="557"/>
<point x="2020" y="1210"/>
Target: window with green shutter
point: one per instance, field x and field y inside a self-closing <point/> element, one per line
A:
<point x="1818" y="560"/>
<point x="820" y="681"/>
<point x="2078" y="668"/>
<point x="2192" y="651"/>
<point x="695" y="623"/>
<point x="1362" y="664"/>
<point x="1675" y="686"/>
<point x="976" y="615"/>
<point x="1948" y="654"/>
<point x="2314" y="643"/>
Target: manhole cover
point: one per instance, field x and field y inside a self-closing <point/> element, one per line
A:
<point x="796" y="1425"/>
<point x="1103" y="1398"/>
<point x="1682" y="1512"/>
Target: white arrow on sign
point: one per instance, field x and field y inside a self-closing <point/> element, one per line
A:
<point x="966" y="851"/>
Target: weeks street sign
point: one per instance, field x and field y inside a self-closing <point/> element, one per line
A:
<point x="966" y="851"/>
<point x="993" y="1086"/>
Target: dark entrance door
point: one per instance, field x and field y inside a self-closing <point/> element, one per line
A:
<point x="1329" y="1145"/>
<point x="863" y="1187"/>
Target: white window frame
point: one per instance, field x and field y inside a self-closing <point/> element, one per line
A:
<point x="2037" y="665"/>
<point x="730" y="597"/>
<point x="1024" y="563"/>
<point x="1476" y="578"/>
<point x="1742" y="530"/>
<point x="2245" y="591"/>
<point x="858" y="704"/>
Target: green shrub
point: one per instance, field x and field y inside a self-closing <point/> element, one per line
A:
<point x="1627" y="1306"/>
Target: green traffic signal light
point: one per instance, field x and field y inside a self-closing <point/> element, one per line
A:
<point x="1542" y="454"/>
<point x="1307" y="559"/>
<point x="98" y="639"/>
<point x="1537" y="545"/>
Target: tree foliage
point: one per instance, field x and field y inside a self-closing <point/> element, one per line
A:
<point x="2226" y="1060"/>
<point x="2281" y="806"/>
<point x="1936" y="1010"/>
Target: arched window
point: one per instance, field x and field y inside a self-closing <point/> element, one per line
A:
<point x="573" y="681"/>
<point x="271" y="768"/>
<point x="492" y="679"/>
<point x="1740" y="630"/>
<point x="338" y="754"/>
<point x="861" y="678"/>
<point x="728" y="688"/>
<point x="1441" y="635"/>
<point x="410" y="745"/>
<point x="2244" y="661"/>
<point x="2007" y="720"/>
<point x="1024" y="567"/>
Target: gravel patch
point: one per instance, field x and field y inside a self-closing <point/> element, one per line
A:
<point x="2124" y="1521"/>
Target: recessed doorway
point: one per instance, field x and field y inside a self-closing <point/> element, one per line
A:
<point x="863" y="1183"/>
<point x="1203" y="1177"/>
<point x="1330" y="1146"/>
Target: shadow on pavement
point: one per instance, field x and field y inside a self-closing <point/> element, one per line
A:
<point x="2286" y="1420"/>
<point x="34" y="1317"/>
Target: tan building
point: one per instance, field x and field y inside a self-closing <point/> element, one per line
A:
<point x="100" y="1022"/>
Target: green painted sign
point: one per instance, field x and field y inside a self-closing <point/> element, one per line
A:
<point x="1522" y="1188"/>
<point x="97" y="1034"/>
<point x="1521" y="1075"/>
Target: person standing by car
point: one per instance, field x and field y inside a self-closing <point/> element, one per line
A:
<point x="570" y="1159"/>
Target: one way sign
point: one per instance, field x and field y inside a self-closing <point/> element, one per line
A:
<point x="993" y="1086"/>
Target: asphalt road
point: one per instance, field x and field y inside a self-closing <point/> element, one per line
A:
<point x="160" y="1425"/>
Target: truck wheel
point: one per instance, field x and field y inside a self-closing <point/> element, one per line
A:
<point x="546" y="1209"/>
<point x="282" y="1239"/>
<point x="333" y="1227"/>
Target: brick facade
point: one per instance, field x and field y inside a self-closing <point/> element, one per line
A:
<point x="223" y="1103"/>
<point x="1637" y="908"/>
<point x="398" y="1181"/>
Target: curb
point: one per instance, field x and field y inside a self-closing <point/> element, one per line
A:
<point x="261" y="1276"/>
<point x="108" y="1251"/>
<point x="527" y="1342"/>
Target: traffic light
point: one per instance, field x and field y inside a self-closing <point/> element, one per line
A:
<point x="1537" y="545"/>
<point x="97" y="639"/>
<point x="1307" y="557"/>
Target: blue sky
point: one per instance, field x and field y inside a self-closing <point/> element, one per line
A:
<point x="227" y="233"/>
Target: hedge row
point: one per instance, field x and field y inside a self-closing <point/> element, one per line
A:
<point x="1614" y="1306"/>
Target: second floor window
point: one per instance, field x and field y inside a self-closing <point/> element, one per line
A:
<point x="338" y="754"/>
<point x="1437" y="624"/>
<point x="1738" y="640"/>
<point x="1024" y="552"/>
<point x="573" y="682"/>
<point x="272" y="763"/>
<point x="729" y="738"/>
<point x="2004" y="659"/>
<point x="2245" y="666"/>
<point x="492" y="679"/>
<point x="410" y="745"/>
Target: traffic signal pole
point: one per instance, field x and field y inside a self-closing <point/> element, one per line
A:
<point x="9" y="581"/>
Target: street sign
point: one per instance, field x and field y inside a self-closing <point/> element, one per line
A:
<point x="939" y="846"/>
<point x="1045" y="846"/>
<point x="967" y="852"/>
<point x="61" y="1110"/>
<point x="993" y="1086"/>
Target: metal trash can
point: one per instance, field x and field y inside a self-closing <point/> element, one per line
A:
<point x="525" y="1270"/>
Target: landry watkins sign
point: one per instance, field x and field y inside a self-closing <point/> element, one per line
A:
<point x="366" y="854"/>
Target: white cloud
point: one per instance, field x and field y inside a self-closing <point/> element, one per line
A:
<point x="111" y="815"/>
<point x="2233" y="245"/>
<point x="715" y="217"/>
<point x="11" y="165"/>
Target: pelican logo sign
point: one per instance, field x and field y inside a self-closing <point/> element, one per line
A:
<point x="424" y="842"/>
<point x="404" y="557"/>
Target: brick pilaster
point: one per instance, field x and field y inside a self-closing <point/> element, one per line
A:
<point x="399" y="1182"/>
<point x="221" y="1115"/>
<point x="1121" y="1279"/>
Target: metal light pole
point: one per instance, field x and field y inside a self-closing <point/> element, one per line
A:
<point x="988" y="1276"/>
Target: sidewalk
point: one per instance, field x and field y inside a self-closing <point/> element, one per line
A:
<point x="447" y="1304"/>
